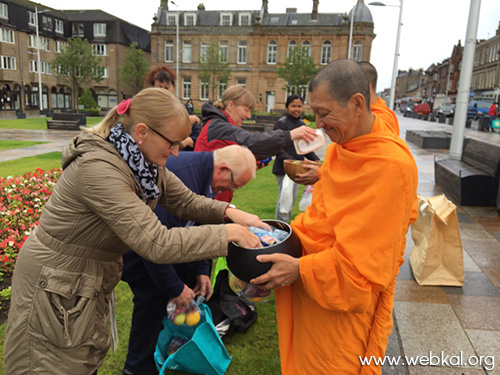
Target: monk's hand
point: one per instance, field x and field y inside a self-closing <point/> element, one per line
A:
<point x="242" y="236"/>
<point x="284" y="271"/>
<point x="303" y="132"/>
<point x="246" y="219"/>
<point x="311" y="176"/>
<point x="203" y="286"/>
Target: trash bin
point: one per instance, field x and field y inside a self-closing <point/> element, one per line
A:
<point x="442" y="118"/>
<point x="483" y="123"/>
<point x="450" y="120"/>
<point x="433" y="118"/>
<point x="468" y="123"/>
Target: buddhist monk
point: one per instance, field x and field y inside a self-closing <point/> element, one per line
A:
<point x="377" y="104"/>
<point x="334" y="303"/>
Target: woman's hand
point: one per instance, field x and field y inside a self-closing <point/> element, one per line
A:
<point x="311" y="176"/>
<point x="303" y="132"/>
<point x="203" y="286"/>
<point x="193" y="119"/>
<point x="185" y="298"/>
<point x="246" y="219"/>
<point x="242" y="236"/>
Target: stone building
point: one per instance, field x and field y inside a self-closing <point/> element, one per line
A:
<point x="485" y="82"/>
<point x="19" y="78"/>
<point x="254" y="43"/>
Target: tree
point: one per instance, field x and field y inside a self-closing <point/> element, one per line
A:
<point x="297" y="70"/>
<point x="134" y="68"/>
<point x="214" y="69"/>
<point x="77" y="66"/>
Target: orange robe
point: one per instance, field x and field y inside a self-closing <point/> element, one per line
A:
<point x="353" y="240"/>
<point x="380" y="109"/>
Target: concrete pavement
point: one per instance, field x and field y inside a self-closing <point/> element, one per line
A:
<point x="448" y="323"/>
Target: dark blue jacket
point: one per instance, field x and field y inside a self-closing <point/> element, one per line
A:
<point x="195" y="170"/>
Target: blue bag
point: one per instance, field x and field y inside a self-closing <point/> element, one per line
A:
<point x="203" y="353"/>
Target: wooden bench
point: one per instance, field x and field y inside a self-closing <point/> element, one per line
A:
<point x="473" y="180"/>
<point x="435" y="139"/>
<point x="67" y="121"/>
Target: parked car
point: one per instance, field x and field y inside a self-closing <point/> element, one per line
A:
<point x="446" y="109"/>
<point x="477" y="109"/>
<point x="422" y="109"/>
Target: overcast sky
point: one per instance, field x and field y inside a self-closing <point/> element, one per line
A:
<point x="430" y="27"/>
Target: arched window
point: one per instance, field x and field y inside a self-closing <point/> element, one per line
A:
<point x="5" y="98"/>
<point x="112" y="98"/>
<point x="53" y="97"/>
<point x="326" y="53"/>
<point x="272" y="52"/>
<point x="60" y="98"/>
<point x="357" y="51"/>
<point x="291" y="46"/>
<point x="16" y="97"/>
<point x="307" y="45"/>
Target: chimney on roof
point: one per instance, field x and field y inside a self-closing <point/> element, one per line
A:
<point x="291" y="10"/>
<point x="314" y="15"/>
<point x="265" y="4"/>
<point x="201" y="6"/>
<point x="498" y="30"/>
<point x="164" y="4"/>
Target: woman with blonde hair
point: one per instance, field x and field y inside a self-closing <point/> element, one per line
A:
<point x="222" y="126"/>
<point x="101" y="206"/>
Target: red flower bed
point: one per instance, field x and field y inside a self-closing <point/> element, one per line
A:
<point x="22" y="200"/>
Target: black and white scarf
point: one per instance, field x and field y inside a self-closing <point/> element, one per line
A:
<point x="146" y="173"/>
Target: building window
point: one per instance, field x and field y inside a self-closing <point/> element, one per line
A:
<point x="31" y="18"/>
<point x="169" y="51"/>
<point x="242" y="52"/>
<point x="186" y="88"/>
<point x="223" y="51"/>
<point x="171" y="19"/>
<point x="99" y="29"/>
<point x="4" y="11"/>
<point x="356" y="51"/>
<point x="60" y="45"/>
<point x="77" y="29"/>
<point x="222" y="88"/>
<point x="7" y="63"/>
<point x="203" y="51"/>
<point x="103" y="70"/>
<point x="204" y="90"/>
<point x="291" y="46"/>
<point x="326" y="53"/>
<point x="7" y="36"/>
<point x="99" y="49"/>
<point x="189" y="19"/>
<point x="46" y="68"/>
<point x="46" y="23"/>
<point x="44" y="42"/>
<point x="245" y="19"/>
<point x="307" y="45"/>
<point x="272" y="52"/>
<point x="241" y="82"/>
<point x="226" y="19"/>
<point x="186" y="52"/>
<point x="59" y="26"/>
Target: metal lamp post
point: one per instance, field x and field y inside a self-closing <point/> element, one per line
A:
<point x="350" y="30"/>
<point x="396" y="54"/>
<point x="176" y="50"/>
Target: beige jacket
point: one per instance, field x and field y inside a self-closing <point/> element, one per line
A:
<point x="59" y="319"/>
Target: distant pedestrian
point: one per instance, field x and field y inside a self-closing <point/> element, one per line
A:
<point x="189" y="106"/>
<point x="493" y="115"/>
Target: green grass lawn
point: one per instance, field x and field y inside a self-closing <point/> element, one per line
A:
<point x="37" y="123"/>
<point x="254" y="352"/>
<point x="8" y="145"/>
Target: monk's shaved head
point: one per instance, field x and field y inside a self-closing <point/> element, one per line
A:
<point x="344" y="79"/>
<point x="371" y="72"/>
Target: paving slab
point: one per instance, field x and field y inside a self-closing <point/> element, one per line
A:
<point x="487" y="344"/>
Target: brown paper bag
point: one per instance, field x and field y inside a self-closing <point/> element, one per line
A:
<point x="437" y="257"/>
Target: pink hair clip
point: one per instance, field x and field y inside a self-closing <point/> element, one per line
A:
<point x="123" y="106"/>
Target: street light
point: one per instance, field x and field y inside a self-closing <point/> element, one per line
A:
<point x="39" y="68"/>
<point x="396" y="54"/>
<point x="350" y="30"/>
<point x="176" y="50"/>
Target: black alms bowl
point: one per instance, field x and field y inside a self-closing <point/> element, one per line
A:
<point x="242" y="262"/>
